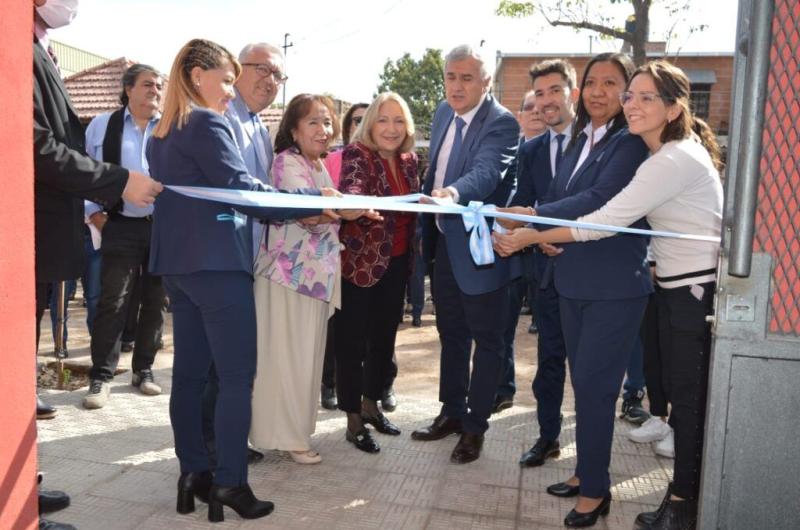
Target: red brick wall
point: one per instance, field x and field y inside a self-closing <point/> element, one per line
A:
<point x="512" y="81"/>
<point x="17" y="332"/>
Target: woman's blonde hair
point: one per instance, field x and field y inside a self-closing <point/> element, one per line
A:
<point x="181" y="93"/>
<point x="364" y="132"/>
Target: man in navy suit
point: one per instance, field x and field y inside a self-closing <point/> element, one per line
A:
<point x="555" y="94"/>
<point x="473" y="143"/>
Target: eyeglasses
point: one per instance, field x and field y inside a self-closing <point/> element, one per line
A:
<point x="265" y="70"/>
<point x="357" y="119"/>
<point x="644" y="98"/>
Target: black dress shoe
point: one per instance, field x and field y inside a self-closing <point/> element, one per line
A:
<point x="389" y="400"/>
<point x="416" y="322"/>
<point x="442" y="426"/>
<point x="580" y="520"/>
<point x="562" y="489"/>
<point x="541" y="450"/>
<point x="502" y="403"/>
<point x="363" y="440"/>
<point x="381" y="424"/>
<point x="254" y="456"/>
<point x="44" y="524"/>
<point x="327" y="398"/>
<point x="533" y="329"/>
<point x="240" y="498"/>
<point x="52" y="501"/>
<point x="190" y="485"/>
<point x="468" y="448"/>
<point x="44" y="411"/>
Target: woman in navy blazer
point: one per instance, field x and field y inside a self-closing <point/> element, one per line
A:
<point x="204" y="252"/>
<point x="603" y="286"/>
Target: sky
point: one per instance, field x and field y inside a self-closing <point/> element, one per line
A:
<point x="340" y="47"/>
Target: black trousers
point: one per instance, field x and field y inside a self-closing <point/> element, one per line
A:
<point x="685" y="339"/>
<point x="126" y="252"/>
<point x="366" y="328"/>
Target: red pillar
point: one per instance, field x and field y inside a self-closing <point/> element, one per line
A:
<point x="17" y="283"/>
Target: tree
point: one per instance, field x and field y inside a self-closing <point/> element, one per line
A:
<point x="583" y="14"/>
<point x="420" y="83"/>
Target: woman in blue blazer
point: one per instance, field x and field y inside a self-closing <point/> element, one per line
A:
<point x="203" y="250"/>
<point x="603" y="286"/>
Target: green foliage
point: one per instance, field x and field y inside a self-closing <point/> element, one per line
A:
<point x="507" y="8"/>
<point x="419" y="82"/>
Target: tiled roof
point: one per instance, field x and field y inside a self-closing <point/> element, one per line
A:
<point x="96" y="90"/>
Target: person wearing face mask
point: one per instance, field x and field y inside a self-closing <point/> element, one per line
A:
<point x="63" y="177"/>
<point x="120" y="137"/>
<point x="376" y="262"/>
<point x="297" y="288"/>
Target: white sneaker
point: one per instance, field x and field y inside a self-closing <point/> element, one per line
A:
<point x="143" y="379"/>
<point x="97" y="396"/>
<point x="653" y="430"/>
<point x="666" y="447"/>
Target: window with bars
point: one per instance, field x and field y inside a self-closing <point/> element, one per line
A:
<point x="700" y="100"/>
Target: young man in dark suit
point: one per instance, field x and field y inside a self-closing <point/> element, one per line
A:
<point x="555" y="93"/>
<point x="473" y="143"/>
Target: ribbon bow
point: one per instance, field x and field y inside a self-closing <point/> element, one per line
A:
<point x="480" y="240"/>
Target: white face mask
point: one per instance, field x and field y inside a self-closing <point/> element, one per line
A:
<point x="58" y="13"/>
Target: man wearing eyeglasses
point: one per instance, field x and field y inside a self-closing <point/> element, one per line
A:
<point x="256" y="89"/>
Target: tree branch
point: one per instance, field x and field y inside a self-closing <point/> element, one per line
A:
<point x="605" y="30"/>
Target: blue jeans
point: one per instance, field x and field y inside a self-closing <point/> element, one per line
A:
<point x="91" y="280"/>
<point x="634" y="379"/>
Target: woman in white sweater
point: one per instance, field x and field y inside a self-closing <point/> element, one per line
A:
<point x="678" y="189"/>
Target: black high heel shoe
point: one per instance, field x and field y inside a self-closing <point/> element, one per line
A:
<point x="577" y="519"/>
<point x="191" y="485"/>
<point x="240" y="498"/>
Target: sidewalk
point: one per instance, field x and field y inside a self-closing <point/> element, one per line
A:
<point x="119" y="466"/>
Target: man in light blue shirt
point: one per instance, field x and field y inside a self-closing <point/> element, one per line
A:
<point x="256" y="89"/>
<point x="120" y="137"/>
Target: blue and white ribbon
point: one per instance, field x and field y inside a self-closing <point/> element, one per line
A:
<point x="474" y="215"/>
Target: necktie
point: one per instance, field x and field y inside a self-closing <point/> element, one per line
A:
<point x="259" y="149"/>
<point x="51" y="52"/>
<point x="454" y="151"/>
<point x="559" y="150"/>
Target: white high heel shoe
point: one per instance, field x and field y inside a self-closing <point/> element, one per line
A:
<point x="306" y="457"/>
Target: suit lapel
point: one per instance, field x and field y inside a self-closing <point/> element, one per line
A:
<point x="438" y="138"/>
<point x="473" y="130"/>
<point x="595" y="154"/>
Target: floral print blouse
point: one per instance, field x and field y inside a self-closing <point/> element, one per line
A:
<point x="305" y="259"/>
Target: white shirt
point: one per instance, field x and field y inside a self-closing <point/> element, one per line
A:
<point x="679" y="190"/>
<point x="554" y="146"/>
<point x="592" y="137"/>
<point x="447" y="146"/>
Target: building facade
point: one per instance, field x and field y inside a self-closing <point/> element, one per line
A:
<point x="711" y="75"/>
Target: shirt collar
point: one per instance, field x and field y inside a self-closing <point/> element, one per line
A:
<point x="566" y="132"/>
<point x="468" y="116"/>
<point x="41" y="33"/>
<point x="128" y="117"/>
<point x="599" y="133"/>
